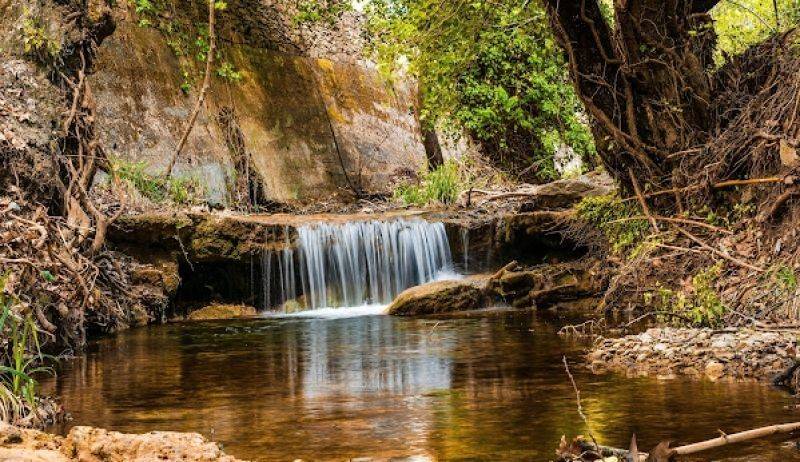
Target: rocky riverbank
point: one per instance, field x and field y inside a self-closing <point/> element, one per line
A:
<point x="89" y="444"/>
<point x="713" y="354"/>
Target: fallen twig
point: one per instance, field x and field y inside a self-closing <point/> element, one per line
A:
<point x="580" y="406"/>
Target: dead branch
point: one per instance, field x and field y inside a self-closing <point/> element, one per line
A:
<point x="734" y="438"/>
<point x="718" y="252"/>
<point x="642" y="201"/>
<point x="580" y="406"/>
<point x="779" y="202"/>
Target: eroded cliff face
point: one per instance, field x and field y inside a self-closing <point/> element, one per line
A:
<point x="313" y="119"/>
<point x="306" y="119"/>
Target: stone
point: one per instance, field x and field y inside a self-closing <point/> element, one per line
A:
<point x="221" y="311"/>
<point x="562" y="194"/>
<point x="714" y="370"/>
<point x="438" y="297"/>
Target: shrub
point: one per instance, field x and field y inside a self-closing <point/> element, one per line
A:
<point x="701" y="307"/>
<point x="36" y="40"/>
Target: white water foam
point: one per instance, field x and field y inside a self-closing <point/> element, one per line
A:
<point x="335" y="313"/>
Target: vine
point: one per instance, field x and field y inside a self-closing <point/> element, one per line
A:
<point x="188" y="40"/>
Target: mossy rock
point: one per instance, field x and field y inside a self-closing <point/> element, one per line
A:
<point x="438" y="297"/>
<point x="220" y="311"/>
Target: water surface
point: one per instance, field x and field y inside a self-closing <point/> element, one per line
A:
<point x="379" y="386"/>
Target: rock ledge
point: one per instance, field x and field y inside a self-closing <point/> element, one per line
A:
<point x="89" y="444"/>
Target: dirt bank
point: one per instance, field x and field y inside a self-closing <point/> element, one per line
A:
<point x="714" y="354"/>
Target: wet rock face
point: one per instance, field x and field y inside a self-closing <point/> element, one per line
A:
<point x="546" y="285"/>
<point x="202" y="238"/>
<point x="89" y="444"/>
<point x="697" y="352"/>
<point x="153" y="286"/>
<point x="305" y="106"/>
<point x="438" y="297"/>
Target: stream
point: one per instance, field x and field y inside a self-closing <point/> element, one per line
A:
<point x="333" y="388"/>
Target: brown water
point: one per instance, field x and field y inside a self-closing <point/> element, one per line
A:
<point x="378" y="386"/>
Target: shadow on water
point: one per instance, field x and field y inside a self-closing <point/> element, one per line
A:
<point x="478" y="389"/>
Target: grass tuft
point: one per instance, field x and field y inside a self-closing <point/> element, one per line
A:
<point x="441" y="185"/>
<point x="158" y="189"/>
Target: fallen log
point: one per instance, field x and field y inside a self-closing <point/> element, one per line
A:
<point x="734" y="438"/>
<point x="663" y="453"/>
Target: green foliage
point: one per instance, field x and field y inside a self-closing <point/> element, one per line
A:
<point x="186" y="39"/>
<point x="441" y="185"/>
<point x="158" y="189"/>
<point x="229" y="73"/>
<point x="620" y="222"/>
<point x="491" y="68"/>
<point x="21" y="359"/>
<point x="186" y="84"/>
<point x="785" y="278"/>
<point x="37" y="41"/>
<point x="311" y="11"/>
<point x="701" y="307"/>
<point x="145" y="7"/>
<point x="742" y="23"/>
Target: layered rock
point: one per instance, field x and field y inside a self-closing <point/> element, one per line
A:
<point x="310" y="119"/>
<point x="546" y="285"/>
<point x="89" y="444"/>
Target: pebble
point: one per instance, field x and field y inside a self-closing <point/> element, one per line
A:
<point x="660" y="352"/>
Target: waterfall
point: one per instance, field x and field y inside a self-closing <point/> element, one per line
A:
<point x="465" y="248"/>
<point x="353" y="264"/>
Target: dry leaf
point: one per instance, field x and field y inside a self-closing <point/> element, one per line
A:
<point x="789" y="155"/>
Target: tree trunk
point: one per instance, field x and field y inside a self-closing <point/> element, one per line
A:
<point x="433" y="149"/>
<point x="646" y="84"/>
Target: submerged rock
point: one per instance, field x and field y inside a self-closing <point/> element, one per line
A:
<point x="439" y="297"/>
<point x="221" y="311"/>
<point x="89" y="444"/>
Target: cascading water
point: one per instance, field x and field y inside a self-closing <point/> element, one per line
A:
<point x="353" y="264"/>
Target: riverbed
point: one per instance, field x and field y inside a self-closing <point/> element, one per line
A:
<point x="490" y="388"/>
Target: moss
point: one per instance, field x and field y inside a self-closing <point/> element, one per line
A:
<point x="622" y="223"/>
<point x="221" y="311"/>
<point x="437" y="297"/>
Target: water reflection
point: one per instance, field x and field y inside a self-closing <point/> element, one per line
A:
<point x="485" y="389"/>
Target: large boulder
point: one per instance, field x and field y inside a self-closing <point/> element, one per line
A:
<point x="563" y="194"/>
<point x="438" y="297"/>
